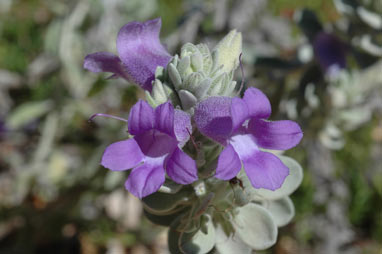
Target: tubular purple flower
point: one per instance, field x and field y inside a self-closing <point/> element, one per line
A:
<point x="159" y="135"/>
<point x="240" y="125"/>
<point x="330" y="51"/>
<point x="140" y="53"/>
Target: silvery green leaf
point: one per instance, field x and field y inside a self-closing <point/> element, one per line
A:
<point x="164" y="203"/>
<point x="170" y="187"/>
<point x="188" y="49"/>
<point x="174" y="76"/>
<point x="171" y="94"/>
<point x="158" y="92"/>
<point x="184" y="67"/>
<point x="227" y="87"/>
<point x="366" y="43"/>
<point x="46" y="141"/>
<point x="175" y="60"/>
<point x="227" y="51"/>
<point x="282" y="210"/>
<point x="197" y="61"/>
<point x="192" y="81"/>
<point x="197" y="242"/>
<point x="229" y="244"/>
<point x="111" y="181"/>
<point x="291" y="183"/>
<point x="217" y="85"/>
<point x="332" y="137"/>
<point x="207" y="58"/>
<point x="159" y="72"/>
<point x="372" y="19"/>
<point x="347" y="7"/>
<point x="187" y="99"/>
<point x="229" y="90"/>
<point x="150" y="99"/>
<point x="164" y="220"/>
<point x="255" y="226"/>
<point x="53" y="36"/>
<point x="27" y="112"/>
<point x="202" y="89"/>
<point x="239" y="196"/>
<point x="354" y="117"/>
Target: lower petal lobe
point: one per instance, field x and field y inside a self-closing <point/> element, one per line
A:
<point x="181" y="167"/>
<point x="265" y="170"/>
<point x="146" y="179"/>
<point x="105" y="62"/>
<point x="229" y="164"/>
<point x="122" y="155"/>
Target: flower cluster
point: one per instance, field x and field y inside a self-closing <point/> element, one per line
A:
<point x="195" y="133"/>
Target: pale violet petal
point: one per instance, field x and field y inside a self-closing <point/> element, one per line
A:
<point x="141" y="52"/>
<point x="239" y="112"/>
<point x="182" y="126"/>
<point x="265" y="170"/>
<point x="291" y="183"/>
<point x="277" y="135"/>
<point x="141" y="118"/>
<point x="257" y="102"/>
<point x="105" y="62"/>
<point x="213" y="118"/>
<point x="229" y="164"/>
<point x="181" y="168"/>
<point x="122" y="155"/>
<point x="145" y="179"/>
<point x="164" y="118"/>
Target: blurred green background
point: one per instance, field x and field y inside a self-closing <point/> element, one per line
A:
<point x="56" y="198"/>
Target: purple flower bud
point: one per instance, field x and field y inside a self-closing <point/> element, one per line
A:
<point x="140" y="53"/>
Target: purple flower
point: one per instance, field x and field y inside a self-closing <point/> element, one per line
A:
<point x="140" y="53"/>
<point x="330" y="51"/>
<point x="224" y="120"/>
<point x="155" y="149"/>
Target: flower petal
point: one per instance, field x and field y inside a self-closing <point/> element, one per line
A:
<point x="122" y="155"/>
<point x="244" y="145"/>
<point x="104" y="62"/>
<point x="329" y="51"/>
<point x="265" y="170"/>
<point x="229" y="164"/>
<point x="141" y="118"/>
<point x="145" y="179"/>
<point x="213" y="118"/>
<point x="239" y="112"/>
<point x="155" y="144"/>
<point x="257" y="102"/>
<point x="141" y="52"/>
<point x="181" y="167"/>
<point x="164" y="118"/>
<point x="182" y="127"/>
<point x="278" y="135"/>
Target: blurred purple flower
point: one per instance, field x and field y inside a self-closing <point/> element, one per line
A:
<point x="3" y="128"/>
<point x="224" y="120"/>
<point x="140" y="53"/>
<point x="330" y="51"/>
<point x="155" y="149"/>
